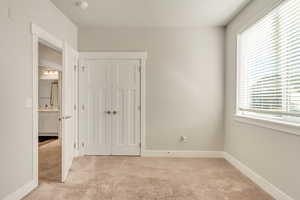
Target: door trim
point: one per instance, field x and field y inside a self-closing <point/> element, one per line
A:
<point x="42" y="36"/>
<point x="138" y="55"/>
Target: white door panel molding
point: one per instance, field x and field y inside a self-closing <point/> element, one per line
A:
<point x="114" y="84"/>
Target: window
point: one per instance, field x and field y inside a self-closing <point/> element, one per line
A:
<point x="269" y="65"/>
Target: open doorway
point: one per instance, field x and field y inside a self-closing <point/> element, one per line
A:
<point x="49" y="112"/>
<point x="54" y="102"/>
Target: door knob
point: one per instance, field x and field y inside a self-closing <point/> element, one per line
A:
<point x="108" y="112"/>
<point x="64" y="117"/>
<point x="115" y="112"/>
<point x="67" y="117"/>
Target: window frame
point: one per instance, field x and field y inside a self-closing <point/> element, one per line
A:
<point x="253" y="119"/>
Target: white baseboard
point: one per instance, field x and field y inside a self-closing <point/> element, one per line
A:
<point x="260" y="181"/>
<point x="22" y="191"/>
<point x="184" y="154"/>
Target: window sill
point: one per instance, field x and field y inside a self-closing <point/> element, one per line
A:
<point x="277" y="125"/>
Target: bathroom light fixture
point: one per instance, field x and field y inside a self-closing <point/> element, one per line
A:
<point x="49" y="72"/>
<point x="82" y="4"/>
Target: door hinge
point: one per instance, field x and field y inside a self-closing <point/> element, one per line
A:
<point x="75" y="145"/>
<point x="82" y="144"/>
<point x="140" y="144"/>
<point x="75" y="67"/>
<point x="83" y="68"/>
<point x="75" y="107"/>
<point x="140" y="69"/>
<point x="139" y="107"/>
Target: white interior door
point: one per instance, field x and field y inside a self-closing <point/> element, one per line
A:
<point x="99" y="107"/>
<point x="113" y="107"/>
<point x="125" y="108"/>
<point x="68" y="111"/>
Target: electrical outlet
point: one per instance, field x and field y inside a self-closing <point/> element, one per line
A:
<point x="183" y="138"/>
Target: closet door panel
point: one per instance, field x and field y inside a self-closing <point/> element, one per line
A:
<point x="125" y="103"/>
<point x="99" y="98"/>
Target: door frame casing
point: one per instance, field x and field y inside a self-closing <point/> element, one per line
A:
<point x="39" y="35"/>
<point x="137" y="55"/>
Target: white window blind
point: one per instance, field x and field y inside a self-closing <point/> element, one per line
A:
<point x="269" y="63"/>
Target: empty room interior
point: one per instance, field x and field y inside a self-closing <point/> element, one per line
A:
<point x="150" y="100"/>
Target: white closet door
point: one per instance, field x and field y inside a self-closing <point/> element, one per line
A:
<point x="113" y="107"/>
<point x="125" y="105"/>
<point x="99" y="106"/>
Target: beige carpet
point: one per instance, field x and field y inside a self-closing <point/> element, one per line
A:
<point x="49" y="161"/>
<point x="134" y="178"/>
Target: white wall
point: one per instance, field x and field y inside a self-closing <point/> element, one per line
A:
<point x="16" y="83"/>
<point x="49" y="57"/>
<point x="272" y="154"/>
<point x="184" y="81"/>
